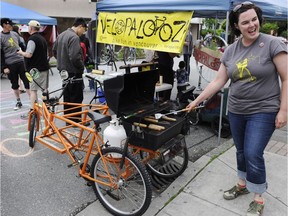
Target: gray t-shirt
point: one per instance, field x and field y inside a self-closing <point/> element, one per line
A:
<point x="10" y="45"/>
<point x="31" y="47"/>
<point x="254" y="79"/>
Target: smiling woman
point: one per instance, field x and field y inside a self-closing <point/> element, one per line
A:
<point x="257" y="104"/>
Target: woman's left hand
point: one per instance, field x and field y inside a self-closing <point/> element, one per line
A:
<point x="281" y="119"/>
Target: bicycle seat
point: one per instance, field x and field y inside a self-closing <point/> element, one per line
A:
<point x="99" y="118"/>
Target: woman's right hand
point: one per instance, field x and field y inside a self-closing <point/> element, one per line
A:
<point x="191" y="106"/>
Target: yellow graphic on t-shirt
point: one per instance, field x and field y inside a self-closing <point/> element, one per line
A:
<point x="242" y="73"/>
<point x="12" y="42"/>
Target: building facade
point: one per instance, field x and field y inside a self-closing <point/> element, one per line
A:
<point x="63" y="10"/>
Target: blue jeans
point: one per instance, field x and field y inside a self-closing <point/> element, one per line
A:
<point x="251" y="133"/>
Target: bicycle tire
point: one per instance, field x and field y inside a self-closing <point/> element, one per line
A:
<point x="105" y="55"/>
<point x="33" y="130"/>
<point x="132" y="194"/>
<point x="129" y="56"/>
<point x="174" y="168"/>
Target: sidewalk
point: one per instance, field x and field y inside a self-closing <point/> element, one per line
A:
<point x="198" y="191"/>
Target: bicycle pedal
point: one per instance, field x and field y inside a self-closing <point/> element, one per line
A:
<point x="73" y="164"/>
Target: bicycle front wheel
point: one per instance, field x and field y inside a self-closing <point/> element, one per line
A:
<point x="33" y="130"/>
<point x="131" y="189"/>
<point x="129" y="55"/>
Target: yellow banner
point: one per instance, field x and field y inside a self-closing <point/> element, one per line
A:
<point x="154" y="31"/>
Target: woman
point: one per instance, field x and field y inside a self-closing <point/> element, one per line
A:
<point x="257" y="104"/>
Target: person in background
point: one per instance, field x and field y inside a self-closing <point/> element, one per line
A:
<point x="12" y="64"/>
<point x="165" y="64"/>
<point x="36" y="57"/>
<point x="69" y="55"/>
<point x="257" y="102"/>
<point x="208" y="39"/>
<point x="23" y="47"/>
<point x="187" y="51"/>
<point x="88" y="58"/>
<point x="181" y="76"/>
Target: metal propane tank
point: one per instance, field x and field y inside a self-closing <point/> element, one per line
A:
<point x="114" y="134"/>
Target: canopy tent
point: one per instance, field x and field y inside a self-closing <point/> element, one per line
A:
<point x="22" y="15"/>
<point x="272" y="9"/>
<point x="201" y="8"/>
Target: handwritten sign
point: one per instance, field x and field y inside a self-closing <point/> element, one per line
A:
<point x="208" y="58"/>
<point x="154" y="31"/>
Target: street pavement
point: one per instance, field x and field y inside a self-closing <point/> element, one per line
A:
<point x="199" y="190"/>
<point x="38" y="182"/>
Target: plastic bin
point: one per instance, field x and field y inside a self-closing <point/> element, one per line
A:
<point x="101" y="96"/>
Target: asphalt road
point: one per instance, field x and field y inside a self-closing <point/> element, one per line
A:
<point x="38" y="182"/>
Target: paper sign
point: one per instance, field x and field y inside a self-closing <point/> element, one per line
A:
<point x="154" y="31"/>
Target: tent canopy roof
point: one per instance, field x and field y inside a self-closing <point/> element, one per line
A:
<point x="274" y="10"/>
<point x="22" y="15"/>
<point x="201" y="8"/>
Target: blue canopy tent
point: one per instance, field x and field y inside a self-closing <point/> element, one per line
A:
<point x="272" y="9"/>
<point x="201" y="8"/>
<point x="22" y="15"/>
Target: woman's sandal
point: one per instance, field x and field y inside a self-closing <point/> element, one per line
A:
<point x="235" y="192"/>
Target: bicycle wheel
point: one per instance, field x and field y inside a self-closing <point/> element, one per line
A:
<point x="105" y="54"/>
<point x="129" y="55"/>
<point x="33" y="130"/>
<point x="131" y="191"/>
<point x="171" y="169"/>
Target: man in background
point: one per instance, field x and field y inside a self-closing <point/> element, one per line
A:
<point x="12" y="64"/>
<point x="187" y="50"/>
<point x="36" y="57"/>
<point x="68" y="52"/>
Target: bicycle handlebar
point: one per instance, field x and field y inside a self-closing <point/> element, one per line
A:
<point x="54" y="100"/>
<point x="97" y="81"/>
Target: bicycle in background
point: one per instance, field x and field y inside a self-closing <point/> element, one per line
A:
<point x="109" y="54"/>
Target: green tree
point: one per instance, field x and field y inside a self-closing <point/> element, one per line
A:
<point x="269" y="27"/>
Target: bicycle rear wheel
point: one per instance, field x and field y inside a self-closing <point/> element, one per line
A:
<point x="129" y="55"/>
<point x="132" y="190"/>
<point x="105" y="54"/>
<point x="33" y="130"/>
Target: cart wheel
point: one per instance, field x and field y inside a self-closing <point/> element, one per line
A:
<point x="33" y="130"/>
<point x="122" y="191"/>
<point x="225" y="130"/>
<point x="172" y="169"/>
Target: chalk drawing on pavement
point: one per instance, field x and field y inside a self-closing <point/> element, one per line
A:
<point x="6" y="147"/>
